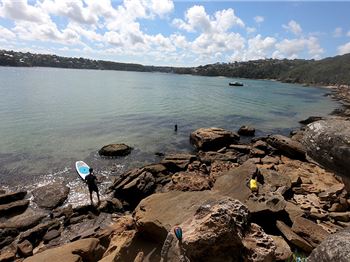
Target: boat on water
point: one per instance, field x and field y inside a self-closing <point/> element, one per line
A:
<point x="235" y="84"/>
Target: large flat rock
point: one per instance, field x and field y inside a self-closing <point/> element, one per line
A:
<point x="51" y="196"/>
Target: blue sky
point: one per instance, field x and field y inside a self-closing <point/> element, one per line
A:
<point x="178" y="33"/>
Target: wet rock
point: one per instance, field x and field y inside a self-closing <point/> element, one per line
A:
<point x="25" y="249"/>
<point x="88" y="250"/>
<point x="212" y="138"/>
<point x="327" y="142"/>
<point x="11" y="197"/>
<point x="13" y="207"/>
<point x="115" y="150"/>
<point x="283" y="251"/>
<point x="177" y="162"/>
<point x="190" y="181"/>
<point x="310" y="231"/>
<point x="310" y="120"/>
<point x="287" y="146"/>
<point x="335" y="247"/>
<point x="293" y="238"/>
<point x="246" y="131"/>
<point x="50" y="196"/>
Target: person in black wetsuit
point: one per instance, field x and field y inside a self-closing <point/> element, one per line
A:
<point x="91" y="182"/>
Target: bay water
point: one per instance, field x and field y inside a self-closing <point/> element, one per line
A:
<point x="51" y="117"/>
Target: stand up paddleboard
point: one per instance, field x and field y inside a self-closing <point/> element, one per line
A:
<point x="82" y="169"/>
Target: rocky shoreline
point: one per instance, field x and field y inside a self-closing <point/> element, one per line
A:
<point x="302" y="207"/>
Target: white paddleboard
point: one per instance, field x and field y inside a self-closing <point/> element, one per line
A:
<point x="82" y="169"/>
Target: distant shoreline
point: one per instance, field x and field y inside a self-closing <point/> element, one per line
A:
<point x="323" y="72"/>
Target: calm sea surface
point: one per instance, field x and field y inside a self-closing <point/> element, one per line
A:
<point x="52" y="117"/>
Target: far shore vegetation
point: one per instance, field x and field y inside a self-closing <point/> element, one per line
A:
<point x="328" y="71"/>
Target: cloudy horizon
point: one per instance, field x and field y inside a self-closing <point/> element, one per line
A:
<point x="176" y="33"/>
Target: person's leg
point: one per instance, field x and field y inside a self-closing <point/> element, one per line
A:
<point x="91" y="198"/>
<point x="98" y="196"/>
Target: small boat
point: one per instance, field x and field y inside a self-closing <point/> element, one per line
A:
<point x="235" y="84"/>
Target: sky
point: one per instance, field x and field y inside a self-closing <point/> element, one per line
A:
<point x="176" y="33"/>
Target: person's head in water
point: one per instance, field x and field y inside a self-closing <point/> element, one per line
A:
<point x="91" y="170"/>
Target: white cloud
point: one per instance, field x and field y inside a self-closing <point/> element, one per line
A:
<point x="258" y="48"/>
<point x="344" y="49"/>
<point x="6" y="33"/>
<point x="251" y="30"/>
<point x="19" y="10"/>
<point x="197" y="20"/>
<point x="293" y="27"/>
<point x="338" y="32"/>
<point x="259" y="19"/>
<point x="292" y="48"/>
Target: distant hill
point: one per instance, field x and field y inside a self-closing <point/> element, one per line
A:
<point x="328" y="71"/>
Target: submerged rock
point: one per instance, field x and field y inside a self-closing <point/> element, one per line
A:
<point x="115" y="150"/>
<point x="212" y="138"/>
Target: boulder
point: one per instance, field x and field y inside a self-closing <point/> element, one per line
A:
<point x="175" y="206"/>
<point x="241" y="148"/>
<point x="115" y="150"/>
<point x="50" y="196"/>
<point x="88" y="250"/>
<point x="283" y="251"/>
<point x="11" y="197"/>
<point x="110" y="205"/>
<point x="287" y="146"/>
<point x="294" y="211"/>
<point x="25" y="249"/>
<point x="212" y="138"/>
<point x="340" y="216"/>
<point x="246" y="131"/>
<point x="327" y="142"/>
<point x="293" y="238"/>
<point x="219" y="231"/>
<point x="134" y="185"/>
<point x="310" y="231"/>
<point x="335" y="247"/>
<point x="13" y="207"/>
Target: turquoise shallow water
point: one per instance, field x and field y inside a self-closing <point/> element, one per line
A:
<point x="52" y="117"/>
